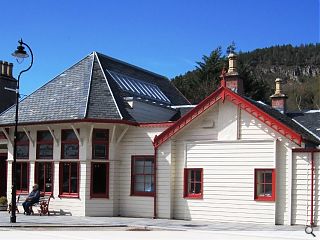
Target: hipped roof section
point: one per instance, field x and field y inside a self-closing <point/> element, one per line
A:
<point x="86" y="91"/>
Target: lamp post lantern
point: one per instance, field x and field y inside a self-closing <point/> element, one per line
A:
<point x="20" y="54"/>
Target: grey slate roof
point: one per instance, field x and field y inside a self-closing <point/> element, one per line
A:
<point x="309" y="119"/>
<point x="283" y="118"/>
<point x="86" y="91"/>
<point x="63" y="98"/>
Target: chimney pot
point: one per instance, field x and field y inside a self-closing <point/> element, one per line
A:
<point x="9" y="70"/>
<point x="279" y="99"/>
<point x="4" y="68"/>
<point x="232" y="79"/>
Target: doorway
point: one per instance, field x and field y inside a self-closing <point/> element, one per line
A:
<point x="3" y="174"/>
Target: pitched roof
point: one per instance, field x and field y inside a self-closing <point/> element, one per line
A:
<point x="274" y="119"/>
<point x="309" y="119"/>
<point x="88" y="91"/>
<point x="286" y="120"/>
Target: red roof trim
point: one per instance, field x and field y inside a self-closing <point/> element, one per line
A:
<point x="160" y="124"/>
<point x="225" y="93"/>
<point x="189" y="117"/>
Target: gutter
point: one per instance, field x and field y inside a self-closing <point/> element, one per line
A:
<point x="155" y="180"/>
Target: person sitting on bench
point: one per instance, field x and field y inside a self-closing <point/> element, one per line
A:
<point x="33" y="198"/>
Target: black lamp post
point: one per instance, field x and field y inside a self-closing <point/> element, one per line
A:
<point x="20" y="54"/>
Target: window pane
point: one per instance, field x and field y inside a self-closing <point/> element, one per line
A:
<point x="101" y="135"/>
<point x="70" y="151"/>
<point x="190" y="187"/>
<point x="22" y="137"/>
<point x="198" y="175"/>
<point x="148" y="183"/>
<point x="99" y="174"/>
<point x="23" y="151"/>
<point x="48" y="177"/>
<point x="65" y="172"/>
<point x="148" y="168"/>
<point x="139" y="166"/>
<point x="99" y="151"/>
<point x="268" y="177"/>
<point x="268" y="190"/>
<point x="260" y="177"/>
<point x="24" y="186"/>
<point x="197" y="188"/>
<point x="260" y="189"/>
<point x="139" y="187"/>
<point x="74" y="178"/>
<point x="18" y="175"/>
<point x="40" y="174"/>
<point x="45" y="151"/>
<point x="44" y="136"/>
<point x="68" y="135"/>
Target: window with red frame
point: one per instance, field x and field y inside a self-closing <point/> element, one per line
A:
<point x="100" y="144"/>
<point x="22" y="145"/>
<point x="193" y="182"/>
<point x="265" y="184"/>
<point x="69" y="179"/>
<point x="22" y="177"/>
<point x="69" y="145"/>
<point x="142" y="175"/>
<point x="99" y="179"/>
<point x="44" y="145"/>
<point x="44" y="176"/>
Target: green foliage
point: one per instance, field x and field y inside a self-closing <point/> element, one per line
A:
<point x="259" y="69"/>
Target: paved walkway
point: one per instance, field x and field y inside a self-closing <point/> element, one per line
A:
<point x="144" y="223"/>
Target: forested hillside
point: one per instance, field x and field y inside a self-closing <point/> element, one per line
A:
<point x="298" y="66"/>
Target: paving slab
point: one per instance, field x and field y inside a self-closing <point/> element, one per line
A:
<point x="54" y="221"/>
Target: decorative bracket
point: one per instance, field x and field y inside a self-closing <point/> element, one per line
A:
<point x="29" y="136"/>
<point x="113" y="133"/>
<point x="7" y="135"/>
<point x="122" y="134"/>
<point x="53" y="136"/>
<point x="77" y="134"/>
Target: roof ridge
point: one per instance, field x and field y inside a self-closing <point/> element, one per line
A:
<point x="133" y="66"/>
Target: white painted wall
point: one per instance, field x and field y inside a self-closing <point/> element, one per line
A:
<point x="137" y="141"/>
<point x="301" y="194"/>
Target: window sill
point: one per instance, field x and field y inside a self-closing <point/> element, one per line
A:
<point x="68" y="195"/>
<point x="142" y="195"/>
<point x="265" y="199"/>
<point x="200" y="197"/>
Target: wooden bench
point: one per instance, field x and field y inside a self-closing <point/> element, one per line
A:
<point x="42" y="205"/>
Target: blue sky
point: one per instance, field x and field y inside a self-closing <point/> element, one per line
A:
<point x="166" y="37"/>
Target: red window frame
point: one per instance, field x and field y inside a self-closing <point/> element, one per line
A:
<point x="133" y="175"/>
<point x="100" y="195"/>
<point x="46" y="142"/>
<point x="187" y="194"/>
<point x="72" y="141"/>
<point x="25" y="191"/>
<point x="98" y="141"/>
<point x="23" y="143"/>
<point x="273" y="183"/>
<point x="52" y="175"/>
<point x="61" y="180"/>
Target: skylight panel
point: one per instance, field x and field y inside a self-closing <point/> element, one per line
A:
<point x="139" y="87"/>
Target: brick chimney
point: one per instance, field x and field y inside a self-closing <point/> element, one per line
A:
<point x="7" y="98"/>
<point x="232" y="78"/>
<point x="279" y="99"/>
